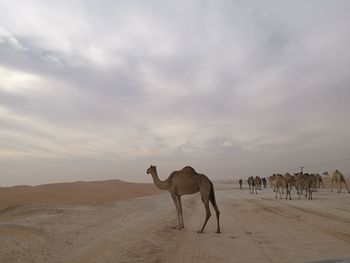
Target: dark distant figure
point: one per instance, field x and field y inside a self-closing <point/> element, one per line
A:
<point x="258" y="182"/>
<point x="252" y="186"/>
<point x="240" y="183"/>
<point x="264" y="181"/>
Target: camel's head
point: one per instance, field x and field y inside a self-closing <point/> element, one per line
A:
<point x="337" y="172"/>
<point x="152" y="170"/>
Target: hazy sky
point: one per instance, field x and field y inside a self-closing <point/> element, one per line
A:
<point x="93" y="90"/>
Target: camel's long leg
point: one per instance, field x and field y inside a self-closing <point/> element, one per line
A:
<point x="282" y="193"/>
<point x="346" y="185"/>
<point x="180" y="208"/>
<point x="306" y="192"/>
<point x="217" y="218"/>
<point x="288" y="194"/>
<point x="290" y="190"/>
<point x="205" y="200"/>
<point x="310" y="193"/>
<point x="177" y="211"/>
<point x="276" y="192"/>
<point x="217" y="212"/>
<point x="332" y="185"/>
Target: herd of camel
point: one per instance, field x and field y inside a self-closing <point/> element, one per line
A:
<point x="187" y="181"/>
<point x="302" y="182"/>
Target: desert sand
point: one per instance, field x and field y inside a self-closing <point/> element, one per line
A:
<point x="133" y="227"/>
<point x="74" y="193"/>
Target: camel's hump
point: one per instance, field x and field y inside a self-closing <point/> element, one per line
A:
<point x="188" y="168"/>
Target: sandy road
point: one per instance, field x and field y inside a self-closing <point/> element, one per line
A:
<point x="263" y="229"/>
<point x="254" y="229"/>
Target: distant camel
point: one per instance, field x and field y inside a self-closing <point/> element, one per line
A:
<point x="264" y="181"/>
<point x="272" y="181"/>
<point x="252" y="185"/>
<point x="290" y="181"/>
<point x="258" y="182"/>
<point x="338" y="178"/>
<point x="185" y="182"/>
<point x="319" y="181"/>
<point x="240" y="183"/>
<point x="304" y="182"/>
<point x="281" y="182"/>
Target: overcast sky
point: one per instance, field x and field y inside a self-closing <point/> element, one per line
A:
<point x="94" y="90"/>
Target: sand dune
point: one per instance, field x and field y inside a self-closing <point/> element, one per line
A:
<point x="76" y="192"/>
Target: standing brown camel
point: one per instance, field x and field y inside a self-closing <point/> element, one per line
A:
<point x="186" y="182"/>
<point x="338" y="178"/>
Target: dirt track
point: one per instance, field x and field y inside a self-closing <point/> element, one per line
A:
<point x="255" y="228"/>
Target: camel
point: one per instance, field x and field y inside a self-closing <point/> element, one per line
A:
<point x="290" y="181"/>
<point x="252" y="185"/>
<point x="281" y="182"/>
<point x="314" y="182"/>
<point x="264" y="181"/>
<point x="185" y="182"/>
<point x="258" y="182"/>
<point x="304" y="181"/>
<point x="318" y="181"/>
<point x="338" y="178"/>
<point x="272" y="181"/>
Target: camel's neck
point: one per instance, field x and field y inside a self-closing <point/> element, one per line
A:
<point x="163" y="185"/>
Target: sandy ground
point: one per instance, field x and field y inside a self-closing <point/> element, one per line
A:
<point x="255" y="228"/>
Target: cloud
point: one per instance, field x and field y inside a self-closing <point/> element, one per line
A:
<point x="219" y="85"/>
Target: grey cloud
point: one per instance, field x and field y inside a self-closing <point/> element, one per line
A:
<point x="255" y="82"/>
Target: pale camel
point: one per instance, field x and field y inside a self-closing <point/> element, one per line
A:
<point x="272" y="181"/>
<point x="281" y="182"/>
<point x="338" y="178"/>
<point x="185" y="182"/>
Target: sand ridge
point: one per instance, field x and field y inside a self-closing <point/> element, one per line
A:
<point x="75" y="192"/>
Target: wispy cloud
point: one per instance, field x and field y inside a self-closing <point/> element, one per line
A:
<point x="234" y="88"/>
